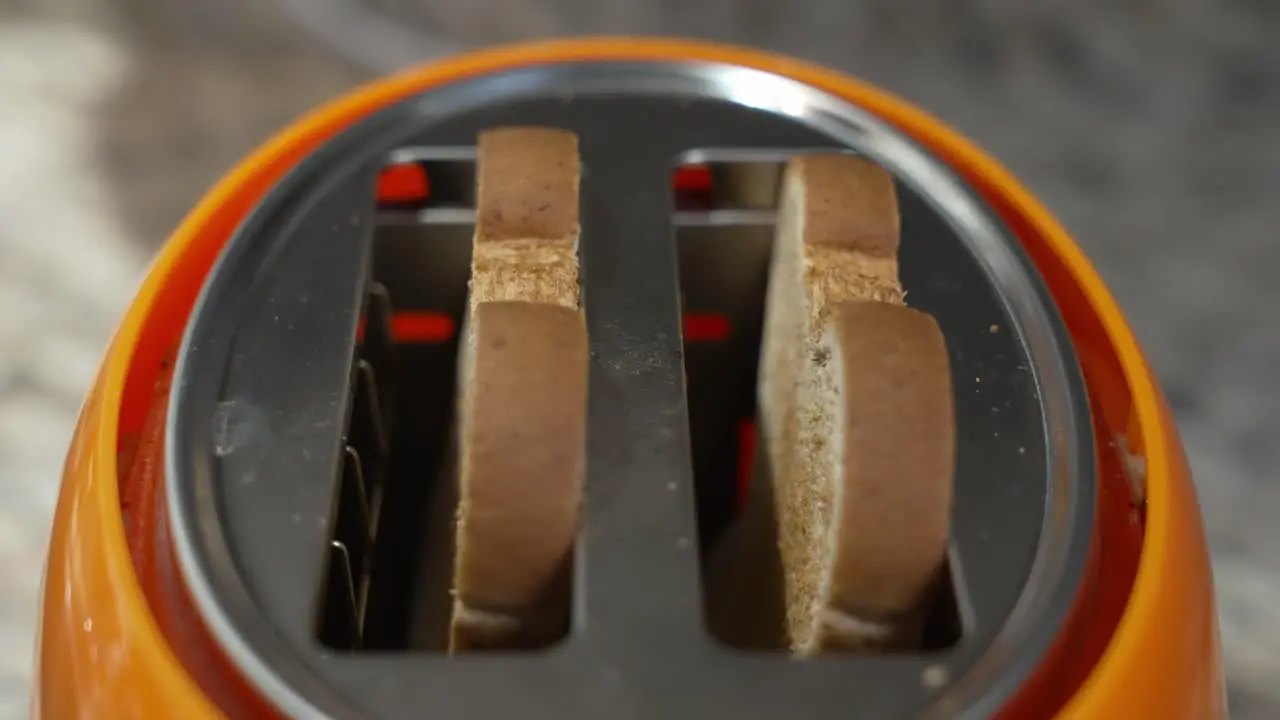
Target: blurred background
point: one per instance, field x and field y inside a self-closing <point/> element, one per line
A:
<point x="1151" y="127"/>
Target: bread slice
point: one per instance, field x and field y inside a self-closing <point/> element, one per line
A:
<point x="521" y="420"/>
<point x="526" y="241"/>
<point x="856" y="412"/>
<point x="521" y="427"/>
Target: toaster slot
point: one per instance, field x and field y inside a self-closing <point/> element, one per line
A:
<point x="421" y="257"/>
<point x="724" y="238"/>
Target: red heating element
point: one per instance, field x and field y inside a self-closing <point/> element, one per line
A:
<point x="403" y="184"/>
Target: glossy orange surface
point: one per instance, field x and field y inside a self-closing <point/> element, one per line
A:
<point x="1144" y="639"/>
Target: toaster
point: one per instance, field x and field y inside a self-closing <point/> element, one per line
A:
<point x="245" y="523"/>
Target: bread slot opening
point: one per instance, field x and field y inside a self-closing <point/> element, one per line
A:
<point x="723" y="311"/>
<point x="724" y="201"/>
<point x="725" y="249"/>
<point x="476" y="488"/>
<point x="397" y="451"/>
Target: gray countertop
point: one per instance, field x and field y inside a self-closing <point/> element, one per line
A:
<point x="1151" y="127"/>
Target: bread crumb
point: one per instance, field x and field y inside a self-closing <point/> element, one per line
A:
<point x="934" y="677"/>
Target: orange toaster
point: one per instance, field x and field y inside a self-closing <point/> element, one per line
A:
<point x="198" y="568"/>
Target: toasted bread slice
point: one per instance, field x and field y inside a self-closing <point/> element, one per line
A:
<point x="521" y="419"/>
<point x="521" y="430"/>
<point x="526" y="241"/>
<point x="856" y="413"/>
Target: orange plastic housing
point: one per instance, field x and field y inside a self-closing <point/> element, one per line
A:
<point x="116" y="640"/>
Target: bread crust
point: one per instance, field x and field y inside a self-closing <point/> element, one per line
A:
<point x="527" y="184"/>
<point x="521" y="420"/>
<point x="855" y="404"/>
<point x="526" y="240"/>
